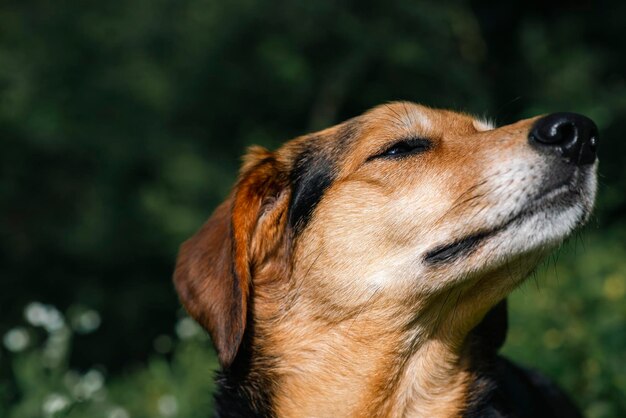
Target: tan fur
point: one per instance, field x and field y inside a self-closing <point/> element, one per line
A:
<point x="342" y="319"/>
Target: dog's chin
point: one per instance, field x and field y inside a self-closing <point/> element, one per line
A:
<point x="544" y="222"/>
<point x="536" y="227"/>
<point x="534" y="231"/>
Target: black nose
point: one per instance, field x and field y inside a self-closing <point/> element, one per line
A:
<point x="574" y="136"/>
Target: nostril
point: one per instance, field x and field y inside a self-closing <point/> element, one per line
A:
<point x="561" y="132"/>
<point x="572" y="136"/>
<point x="565" y="133"/>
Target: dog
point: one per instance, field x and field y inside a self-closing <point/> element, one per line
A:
<point x="362" y="271"/>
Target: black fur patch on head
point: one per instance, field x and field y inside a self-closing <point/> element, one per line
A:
<point x="314" y="171"/>
<point x="311" y="175"/>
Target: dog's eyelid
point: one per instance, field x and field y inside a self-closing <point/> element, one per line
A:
<point x="403" y="148"/>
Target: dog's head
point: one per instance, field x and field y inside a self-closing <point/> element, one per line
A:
<point x="388" y="211"/>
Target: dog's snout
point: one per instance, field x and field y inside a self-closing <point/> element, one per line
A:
<point x="574" y="136"/>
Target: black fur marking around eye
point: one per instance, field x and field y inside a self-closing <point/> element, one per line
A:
<point x="315" y="170"/>
<point x="311" y="175"/>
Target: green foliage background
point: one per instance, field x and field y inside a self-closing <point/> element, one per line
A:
<point x="121" y="125"/>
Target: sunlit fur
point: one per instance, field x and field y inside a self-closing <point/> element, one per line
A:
<point x="349" y="316"/>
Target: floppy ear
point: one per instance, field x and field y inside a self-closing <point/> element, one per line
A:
<point x="213" y="270"/>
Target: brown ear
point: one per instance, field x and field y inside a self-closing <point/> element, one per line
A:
<point x="213" y="270"/>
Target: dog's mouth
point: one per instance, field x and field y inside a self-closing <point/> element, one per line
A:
<point x="556" y="198"/>
<point x="448" y="252"/>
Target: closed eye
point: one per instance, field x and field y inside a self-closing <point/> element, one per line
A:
<point x="404" y="148"/>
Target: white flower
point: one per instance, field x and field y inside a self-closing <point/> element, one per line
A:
<point x="88" y="385"/>
<point x="16" y="340"/>
<point x="54" y="403"/>
<point x="93" y="381"/>
<point x="168" y="405"/>
<point x="187" y="328"/>
<point x="118" y="412"/>
<point x="54" y="320"/>
<point x="35" y="313"/>
<point x="46" y="316"/>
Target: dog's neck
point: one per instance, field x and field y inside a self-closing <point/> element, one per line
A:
<point x="375" y="372"/>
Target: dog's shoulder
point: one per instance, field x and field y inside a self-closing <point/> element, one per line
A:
<point x="518" y="392"/>
<point x="501" y="388"/>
